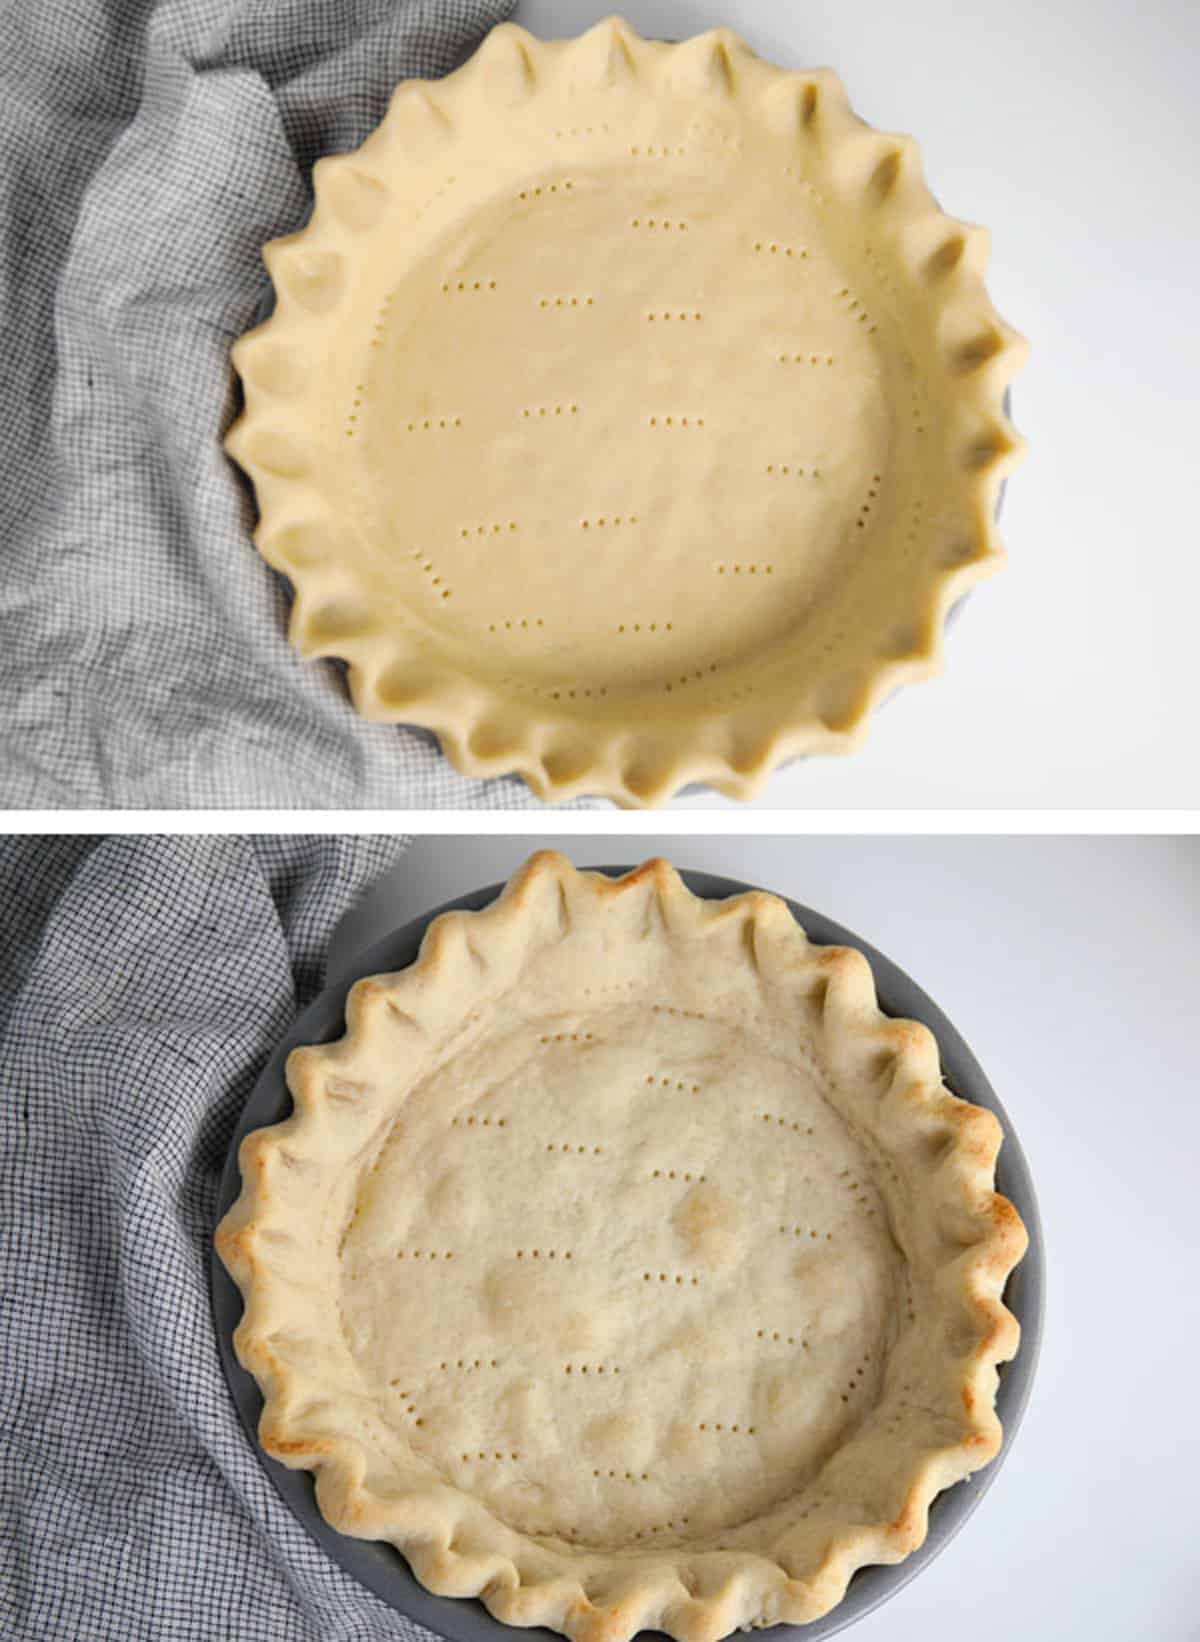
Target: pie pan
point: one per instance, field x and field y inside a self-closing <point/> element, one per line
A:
<point x="381" y="1568"/>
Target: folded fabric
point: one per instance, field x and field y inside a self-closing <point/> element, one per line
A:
<point x="148" y="149"/>
<point x="143" y="984"/>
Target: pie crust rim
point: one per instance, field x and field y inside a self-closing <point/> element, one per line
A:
<point x="561" y="752"/>
<point x="715" y="1592"/>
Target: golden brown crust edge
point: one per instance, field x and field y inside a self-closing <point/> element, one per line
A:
<point x="737" y="750"/>
<point x="692" y="1597"/>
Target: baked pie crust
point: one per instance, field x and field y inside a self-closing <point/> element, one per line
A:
<point x="630" y="415"/>
<point x="624" y="1266"/>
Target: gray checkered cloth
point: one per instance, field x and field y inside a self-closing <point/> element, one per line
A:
<point x="143" y="984"/>
<point x="148" y="149"/>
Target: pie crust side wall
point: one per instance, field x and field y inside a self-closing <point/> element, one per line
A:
<point x="455" y="1547"/>
<point x="562" y="755"/>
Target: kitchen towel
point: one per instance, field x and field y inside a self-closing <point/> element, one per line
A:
<point x="148" y="150"/>
<point x="144" y="983"/>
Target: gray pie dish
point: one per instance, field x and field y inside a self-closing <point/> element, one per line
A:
<point x="380" y="1567"/>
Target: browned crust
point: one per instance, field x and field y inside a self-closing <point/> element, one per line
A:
<point x="674" y="1593"/>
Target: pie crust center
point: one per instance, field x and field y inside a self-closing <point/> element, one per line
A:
<point x="613" y="1250"/>
<point x="574" y="365"/>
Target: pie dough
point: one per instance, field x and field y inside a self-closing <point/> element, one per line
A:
<point x="624" y="1266"/>
<point x="630" y="415"/>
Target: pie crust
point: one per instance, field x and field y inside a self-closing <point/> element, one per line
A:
<point x="624" y="1266"/>
<point x="630" y="415"/>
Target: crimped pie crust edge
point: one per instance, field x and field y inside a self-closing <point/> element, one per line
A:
<point x="734" y="748"/>
<point x="695" y="1596"/>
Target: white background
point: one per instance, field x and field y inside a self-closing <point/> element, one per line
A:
<point x="1072" y="131"/>
<point x="1072" y="968"/>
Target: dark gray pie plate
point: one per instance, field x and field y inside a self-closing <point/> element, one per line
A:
<point x="380" y="1567"/>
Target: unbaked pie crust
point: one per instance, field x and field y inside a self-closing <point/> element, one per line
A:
<point x="630" y="415"/>
<point x="624" y="1266"/>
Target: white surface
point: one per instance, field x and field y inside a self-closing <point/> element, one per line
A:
<point x="1071" y="131"/>
<point x="1072" y="968"/>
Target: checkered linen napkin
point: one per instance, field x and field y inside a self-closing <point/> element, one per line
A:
<point x="143" y="984"/>
<point x="148" y="149"/>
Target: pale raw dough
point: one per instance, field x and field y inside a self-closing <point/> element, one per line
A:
<point x="630" y="414"/>
<point x="620" y="1237"/>
<point x="685" y="412"/>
